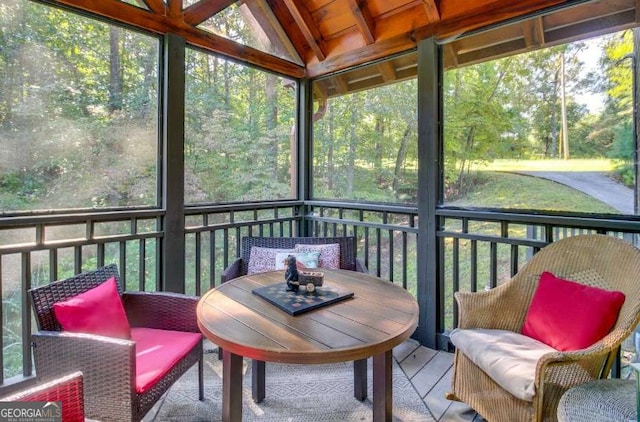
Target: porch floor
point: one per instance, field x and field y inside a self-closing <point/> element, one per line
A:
<point x="430" y="373"/>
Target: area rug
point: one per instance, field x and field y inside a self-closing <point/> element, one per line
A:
<point x="294" y="393"/>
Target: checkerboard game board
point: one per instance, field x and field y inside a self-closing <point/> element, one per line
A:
<point x="296" y="303"/>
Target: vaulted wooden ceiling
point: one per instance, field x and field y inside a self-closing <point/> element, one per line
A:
<point x="325" y="36"/>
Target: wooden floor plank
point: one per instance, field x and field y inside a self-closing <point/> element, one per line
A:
<point x="416" y="361"/>
<point x="405" y="349"/>
<point x="431" y="374"/>
<point x="435" y="398"/>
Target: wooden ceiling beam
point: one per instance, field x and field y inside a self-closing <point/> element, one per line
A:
<point x="476" y="17"/>
<point x="156" y="6"/>
<point x="361" y="55"/>
<point x="593" y="27"/>
<point x="431" y="8"/>
<point x="261" y="17"/>
<point x="132" y="15"/>
<point x="342" y="85"/>
<point x="450" y="55"/>
<point x="309" y="29"/>
<point x="289" y="26"/>
<point x="363" y="18"/>
<point x="533" y="32"/>
<point x="204" y="9"/>
<point x="174" y="8"/>
<point x="387" y="71"/>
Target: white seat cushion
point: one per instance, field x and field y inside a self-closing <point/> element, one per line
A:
<point x="508" y="358"/>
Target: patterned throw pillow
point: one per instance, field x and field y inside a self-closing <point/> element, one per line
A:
<point x="329" y="254"/>
<point x="264" y="259"/>
<point x="303" y="260"/>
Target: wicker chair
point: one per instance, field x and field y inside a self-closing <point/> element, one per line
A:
<point x="348" y="261"/>
<point x="67" y="389"/>
<point x="596" y="260"/>
<point x="109" y="364"/>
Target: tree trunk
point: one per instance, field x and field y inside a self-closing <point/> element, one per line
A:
<point x="115" y="78"/>
<point x="563" y="104"/>
<point x="351" y="159"/>
<point x="377" y="162"/>
<point x="271" y="97"/>
<point x="401" y="156"/>
<point x="554" y="120"/>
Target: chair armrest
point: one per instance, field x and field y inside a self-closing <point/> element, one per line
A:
<point x="67" y="389"/>
<point x="102" y="360"/>
<point x="360" y="267"/>
<point x="161" y="310"/>
<point x="232" y="271"/>
<point x="502" y="308"/>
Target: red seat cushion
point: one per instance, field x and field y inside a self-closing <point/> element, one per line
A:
<point x="96" y="311"/>
<point x="157" y="352"/>
<point x="569" y="316"/>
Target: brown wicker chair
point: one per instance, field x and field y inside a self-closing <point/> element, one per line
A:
<point x="109" y="364"/>
<point x="67" y="389"/>
<point x="348" y="261"/>
<point x="596" y="260"/>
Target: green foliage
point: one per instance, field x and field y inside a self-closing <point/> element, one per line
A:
<point x="623" y="150"/>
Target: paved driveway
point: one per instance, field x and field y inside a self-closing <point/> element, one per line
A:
<point x="596" y="184"/>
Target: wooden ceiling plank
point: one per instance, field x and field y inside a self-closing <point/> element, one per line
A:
<point x="363" y="18"/>
<point x="388" y="71"/>
<point x="132" y="15"/>
<point x="637" y="8"/>
<point x="204" y="9"/>
<point x="309" y="29"/>
<point x="431" y="8"/>
<point x="156" y="6"/>
<point x="260" y="16"/>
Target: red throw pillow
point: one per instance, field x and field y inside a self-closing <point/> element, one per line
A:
<point x="96" y="311"/>
<point x="569" y="316"/>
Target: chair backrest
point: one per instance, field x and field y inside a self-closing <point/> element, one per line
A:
<point x="595" y="260"/>
<point x="43" y="298"/>
<point x="347" y="247"/>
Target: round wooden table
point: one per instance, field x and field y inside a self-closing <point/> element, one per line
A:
<point x="378" y="317"/>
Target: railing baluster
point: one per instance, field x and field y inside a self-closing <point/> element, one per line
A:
<point x="142" y="264"/>
<point x="493" y="262"/>
<point x="27" y="369"/>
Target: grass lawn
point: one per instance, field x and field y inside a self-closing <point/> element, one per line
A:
<point x="512" y="191"/>
<point x="603" y="164"/>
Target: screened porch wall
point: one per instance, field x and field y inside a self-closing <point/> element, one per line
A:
<point x="477" y="250"/>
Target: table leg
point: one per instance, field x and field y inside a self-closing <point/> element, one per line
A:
<point x="360" y="379"/>
<point x="231" y="387"/>
<point x="382" y="387"/>
<point x="257" y="380"/>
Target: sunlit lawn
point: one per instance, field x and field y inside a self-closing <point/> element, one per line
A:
<point x="603" y="164"/>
